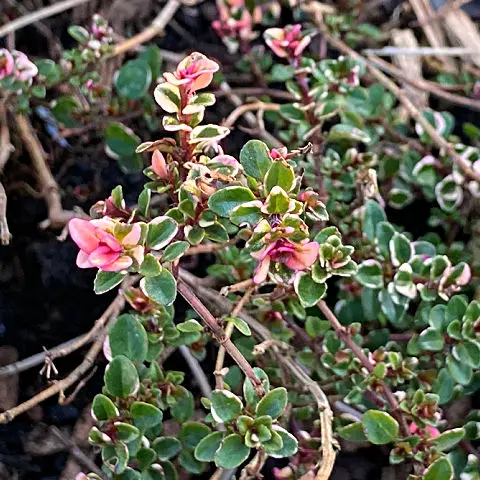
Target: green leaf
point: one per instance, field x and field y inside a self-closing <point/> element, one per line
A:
<point x="166" y="447"/>
<point x="105" y="281"/>
<point x="222" y="202"/>
<point x="175" y="250"/>
<point x="232" y="453"/>
<point x="150" y="266"/>
<point x="444" y="386"/>
<point x="249" y="393"/>
<point x="315" y="327"/>
<point x="449" y="439"/>
<point x="103" y="408"/>
<point x="280" y="174"/>
<point x="431" y="340"/>
<point x="353" y="432"/>
<point x="461" y="372"/>
<point x="145" y="415"/>
<point x="289" y="444"/>
<point x="190" y="463"/>
<point x="190" y="326"/>
<point x="380" y="428"/>
<point x="226" y="406"/>
<point x="374" y="214"/>
<point x="161" y="231"/>
<point x="126" y="432"/>
<point x="401" y="249"/>
<point x="255" y="159"/>
<point x="191" y="434"/>
<point x="152" y="56"/>
<point x="440" y="470"/>
<point x="78" y="33"/>
<point x="134" y="79"/>
<point x="273" y="403"/>
<point x="343" y="132"/>
<point x="161" y="289"/>
<point x="240" y="324"/>
<point x="121" y="144"/>
<point x="121" y="377"/>
<point x="309" y="292"/>
<point x="128" y="337"/>
<point x="467" y="352"/>
<point x="207" y="447"/>
<point x="370" y="274"/>
<point x="145" y="457"/>
<point x="183" y="409"/>
<point x="282" y="73"/>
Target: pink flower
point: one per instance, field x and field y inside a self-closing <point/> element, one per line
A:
<point x="7" y="63"/>
<point x="296" y="256"/>
<point x="159" y="166"/>
<point x="279" y="153"/>
<point x="287" y="42"/>
<point x="99" y="247"/>
<point x="194" y="72"/>
<point x="429" y="431"/>
<point x="25" y="70"/>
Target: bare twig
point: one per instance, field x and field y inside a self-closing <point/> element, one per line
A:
<point x="6" y="149"/>
<point x="249" y="116"/>
<point x="364" y="360"/>
<point x="421" y="84"/>
<point x="228" y="333"/>
<point x="77" y="453"/>
<point x="218" y="332"/>
<point x="396" y="90"/>
<point x="257" y="91"/>
<point x="197" y="371"/>
<point x="437" y="51"/>
<point x="155" y="28"/>
<point x="38" y="15"/>
<point x="60" y="386"/>
<point x="445" y="9"/>
<point x="4" y="230"/>
<point x="325" y="412"/>
<point x="57" y="216"/>
<point x="242" y="109"/>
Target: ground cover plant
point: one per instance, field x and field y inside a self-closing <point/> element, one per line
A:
<point x="281" y="281"/>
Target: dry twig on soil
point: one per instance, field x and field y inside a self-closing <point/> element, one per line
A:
<point x="38" y="15"/>
<point x="57" y="216"/>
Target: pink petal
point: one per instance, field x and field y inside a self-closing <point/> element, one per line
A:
<point x="83" y="234"/>
<point x="102" y="257"/>
<point x="82" y="260"/>
<point x="121" y="264"/>
<point x="276" y="49"/>
<point x="432" y="431"/>
<point x="304" y="256"/>
<point x="261" y="271"/>
<point x="109" y="240"/>
<point x="159" y="165"/>
<point x="104" y="223"/>
<point x="133" y="237"/>
<point x="202" y="81"/>
<point x="301" y="46"/>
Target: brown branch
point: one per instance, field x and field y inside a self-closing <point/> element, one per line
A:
<point x="57" y="216"/>
<point x="426" y="85"/>
<point x="228" y="333"/>
<point x="188" y="294"/>
<point x="400" y="95"/>
<point x="155" y="28"/>
<point x="364" y="360"/>
<point x="77" y="453"/>
<point x="242" y="109"/>
<point x="442" y="11"/>
<point x="6" y="149"/>
<point x="60" y="386"/>
<point x="249" y="116"/>
<point x="325" y="412"/>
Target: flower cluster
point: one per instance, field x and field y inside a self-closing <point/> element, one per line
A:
<point x="18" y="65"/>
<point x="288" y="42"/>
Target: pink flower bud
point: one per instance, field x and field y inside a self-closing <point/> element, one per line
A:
<point x="159" y="165"/>
<point x="193" y="72"/>
<point x="287" y="42"/>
